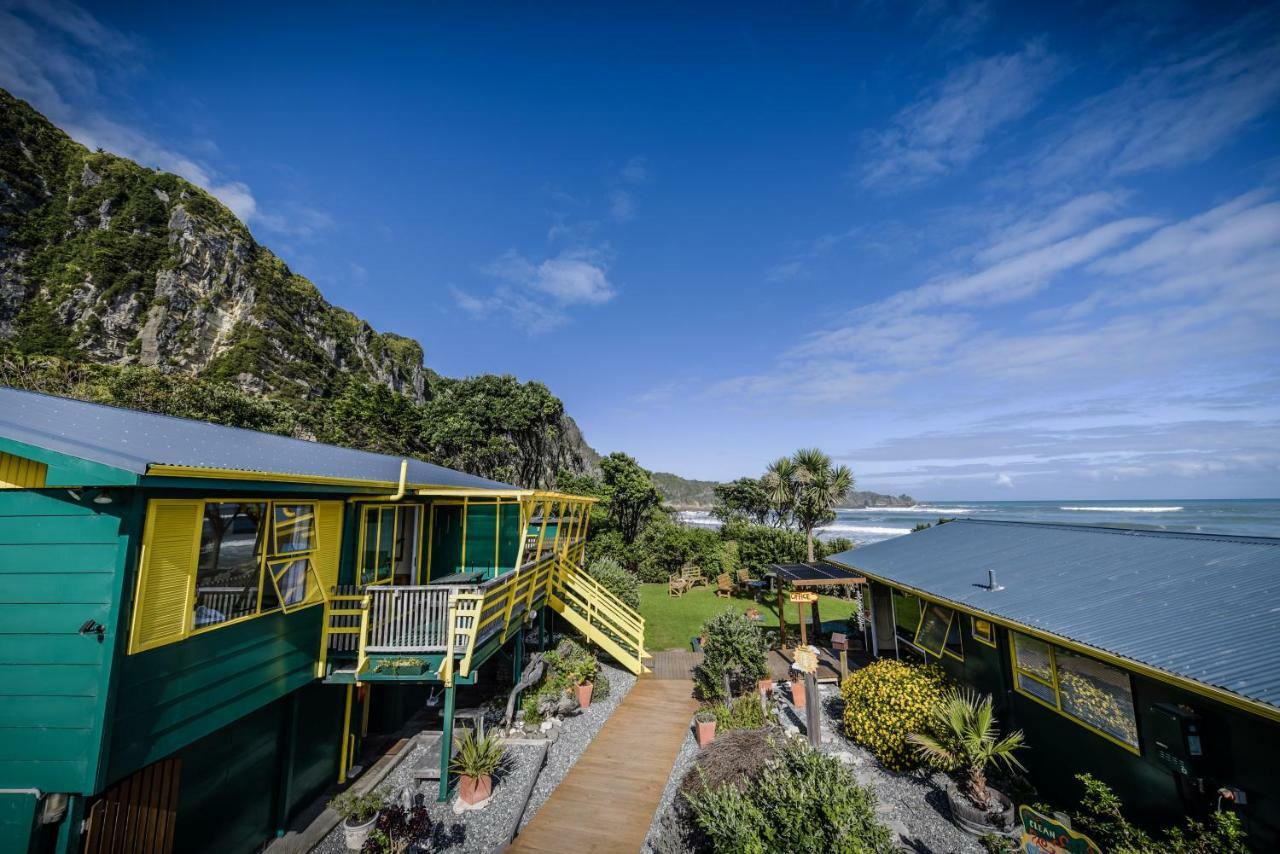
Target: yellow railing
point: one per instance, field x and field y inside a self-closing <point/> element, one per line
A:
<point x="345" y="615"/>
<point x="602" y="617"/>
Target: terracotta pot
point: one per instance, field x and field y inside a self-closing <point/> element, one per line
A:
<point x="473" y="790"/>
<point x="356" y="834"/>
<point x="584" y="695"/>
<point x="973" y="820"/>
<point x="797" y="693"/>
<point x="766" y="687"/>
<point x="706" y="732"/>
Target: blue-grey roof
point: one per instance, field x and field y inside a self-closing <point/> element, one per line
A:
<point x="1202" y="606"/>
<point x="132" y="441"/>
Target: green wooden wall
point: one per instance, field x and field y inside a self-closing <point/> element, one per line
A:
<point x="60" y="566"/>
<point x="173" y="695"/>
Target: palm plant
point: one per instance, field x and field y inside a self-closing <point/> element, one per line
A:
<point x="780" y="487"/>
<point x="819" y="487"/>
<point x="965" y="739"/>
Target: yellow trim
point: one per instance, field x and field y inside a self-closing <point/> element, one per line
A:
<point x="431" y="542"/>
<point x="1219" y="694"/>
<point x="990" y="640"/>
<point x="156" y="470"/>
<point x="315" y="596"/>
<point x="1054" y="686"/>
<point x="21" y="473"/>
<point x="924" y="612"/>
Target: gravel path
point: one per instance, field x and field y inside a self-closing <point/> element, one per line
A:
<point x="486" y="830"/>
<point x="574" y="735"/>
<point x="913" y="805"/>
<point x="474" y="832"/>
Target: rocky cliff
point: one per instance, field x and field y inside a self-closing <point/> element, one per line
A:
<point x="106" y="262"/>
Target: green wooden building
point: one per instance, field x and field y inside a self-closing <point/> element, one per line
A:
<point x="196" y="621"/>
<point x="1149" y="659"/>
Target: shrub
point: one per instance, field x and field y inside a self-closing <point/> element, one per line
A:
<point x="532" y="714"/>
<point x="478" y="757"/>
<point x="802" y="801"/>
<point x="602" y="686"/>
<point x="746" y="712"/>
<point x="665" y="547"/>
<point x="1101" y="818"/>
<point x="567" y="666"/>
<point x="357" y="808"/>
<point x="733" y="642"/>
<point x="885" y="702"/>
<point x="734" y="758"/>
<point x="963" y="737"/>
<point x="618" y="581"/>
<point x="398" y="828"/>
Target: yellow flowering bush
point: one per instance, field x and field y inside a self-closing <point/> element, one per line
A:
<point x="886" y="701"/>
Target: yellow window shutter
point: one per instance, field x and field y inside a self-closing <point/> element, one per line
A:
<point x="329" y="543"/>
<point x="166" y="577"/>
<point x="21" y="473"/>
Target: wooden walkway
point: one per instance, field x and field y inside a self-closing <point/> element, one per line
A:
<point x="608" y="799"/>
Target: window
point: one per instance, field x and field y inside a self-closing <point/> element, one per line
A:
<point x="238" y="575"/>
<point x="229" y="573"/>
<point x="206" y="564"/>
<point x="983" y="630"/>
<point x="389" y="535"/>
<point x="1088" y="691"/>
<point x="925" y="626"/>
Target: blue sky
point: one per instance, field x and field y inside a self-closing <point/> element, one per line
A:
<point x="974" y="250"/>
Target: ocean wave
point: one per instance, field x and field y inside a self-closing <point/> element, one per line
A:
<point x="914" y="508"/>
<point x="1125" y="509"/>
<point x="863" y="529"/>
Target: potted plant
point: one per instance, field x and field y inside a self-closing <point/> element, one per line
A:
<point x="705" y="722"/>
<point x="797" y="692"/>
<point x="475" y="763"/>
<point x="965" y="741"/>
<point x="584" y="675"/>
<point x="359" y="811"/>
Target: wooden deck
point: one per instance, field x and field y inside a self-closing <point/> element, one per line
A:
<point x="607" y="801"/>
<point x="675" y="664"/>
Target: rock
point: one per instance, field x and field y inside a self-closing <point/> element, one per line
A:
<point x="545" y="726"/>
<point x="88" y="177"/>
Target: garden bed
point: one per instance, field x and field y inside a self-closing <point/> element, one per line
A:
<point x="912" y="804"/>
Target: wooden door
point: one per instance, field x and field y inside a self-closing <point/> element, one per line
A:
<point x="138" y="814"/>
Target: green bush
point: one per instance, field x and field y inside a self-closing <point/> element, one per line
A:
<point x="885" y="702"/>
<point x="618" y="581"/>
<point x="746" y="712"/>
<point x="1100" y="817"/>
<point x="532" y="716"/>
<point x="803" y="801"/>
<point x="733" y="642"/>
<point x="602" y="687"/>
<point x="665" y="547"/>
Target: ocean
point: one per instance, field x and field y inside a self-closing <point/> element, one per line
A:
<point x="1242" y="517"/>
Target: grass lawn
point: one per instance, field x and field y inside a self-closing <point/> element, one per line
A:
<point x="669" y="622"/>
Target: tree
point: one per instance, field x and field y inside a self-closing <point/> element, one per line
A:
<point x="745" y="498"/>
<point x="819" y="487"/>
<point x="965" y="739"/>
<point x="629" y="494"/>
<point x="779" y="483"/>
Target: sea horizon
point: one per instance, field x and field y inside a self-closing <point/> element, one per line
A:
<point x="1255" y="517"/>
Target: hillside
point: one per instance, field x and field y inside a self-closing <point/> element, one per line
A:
<point x="140" y="277"/>
<point x="685" y="494"/>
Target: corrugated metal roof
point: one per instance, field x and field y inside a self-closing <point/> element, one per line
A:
<point x="1202" y="606"/>
<point x="132" y="441"/>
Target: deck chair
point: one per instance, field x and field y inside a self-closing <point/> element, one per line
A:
<point x="692" y="576"/>
<point x="676" y="585"/>
<point x="724" y="587"/>
<point x="747" y="584"/>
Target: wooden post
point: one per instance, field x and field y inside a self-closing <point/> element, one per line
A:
<point x="800" y="616"/>
<point x="517" y="656"/>
<point x="813" y="715"/>
<point x="542" y="629"/>
<point x="446" y="744"/>
<point x="782" y="615"/>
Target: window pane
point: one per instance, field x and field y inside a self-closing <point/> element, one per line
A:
<point x="1033" y="657"/>
<point x="1031" y="686"/>
<point x="934" y="626"/>
<point x="290" y="577"/>
<point x="369" y="560"/>
<point x="1098" y="694"/>
<point x="295" y="528"/>
<point x="955" y="645"/>
<point x="228" y="574"/>
<point x="983" y="630"/>
<point x="386" y="543"/>
<point x="906" y="615"/>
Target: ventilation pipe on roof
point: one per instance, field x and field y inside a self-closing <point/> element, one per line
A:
<point x="992" y="586"/>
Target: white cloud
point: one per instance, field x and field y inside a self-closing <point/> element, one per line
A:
<point x="1003" y="479"/>
<point x="636" y="171"/>
<point x="1171" y="113"/>
<point x="950" y="126"/>
<point x="574" y="277"/>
